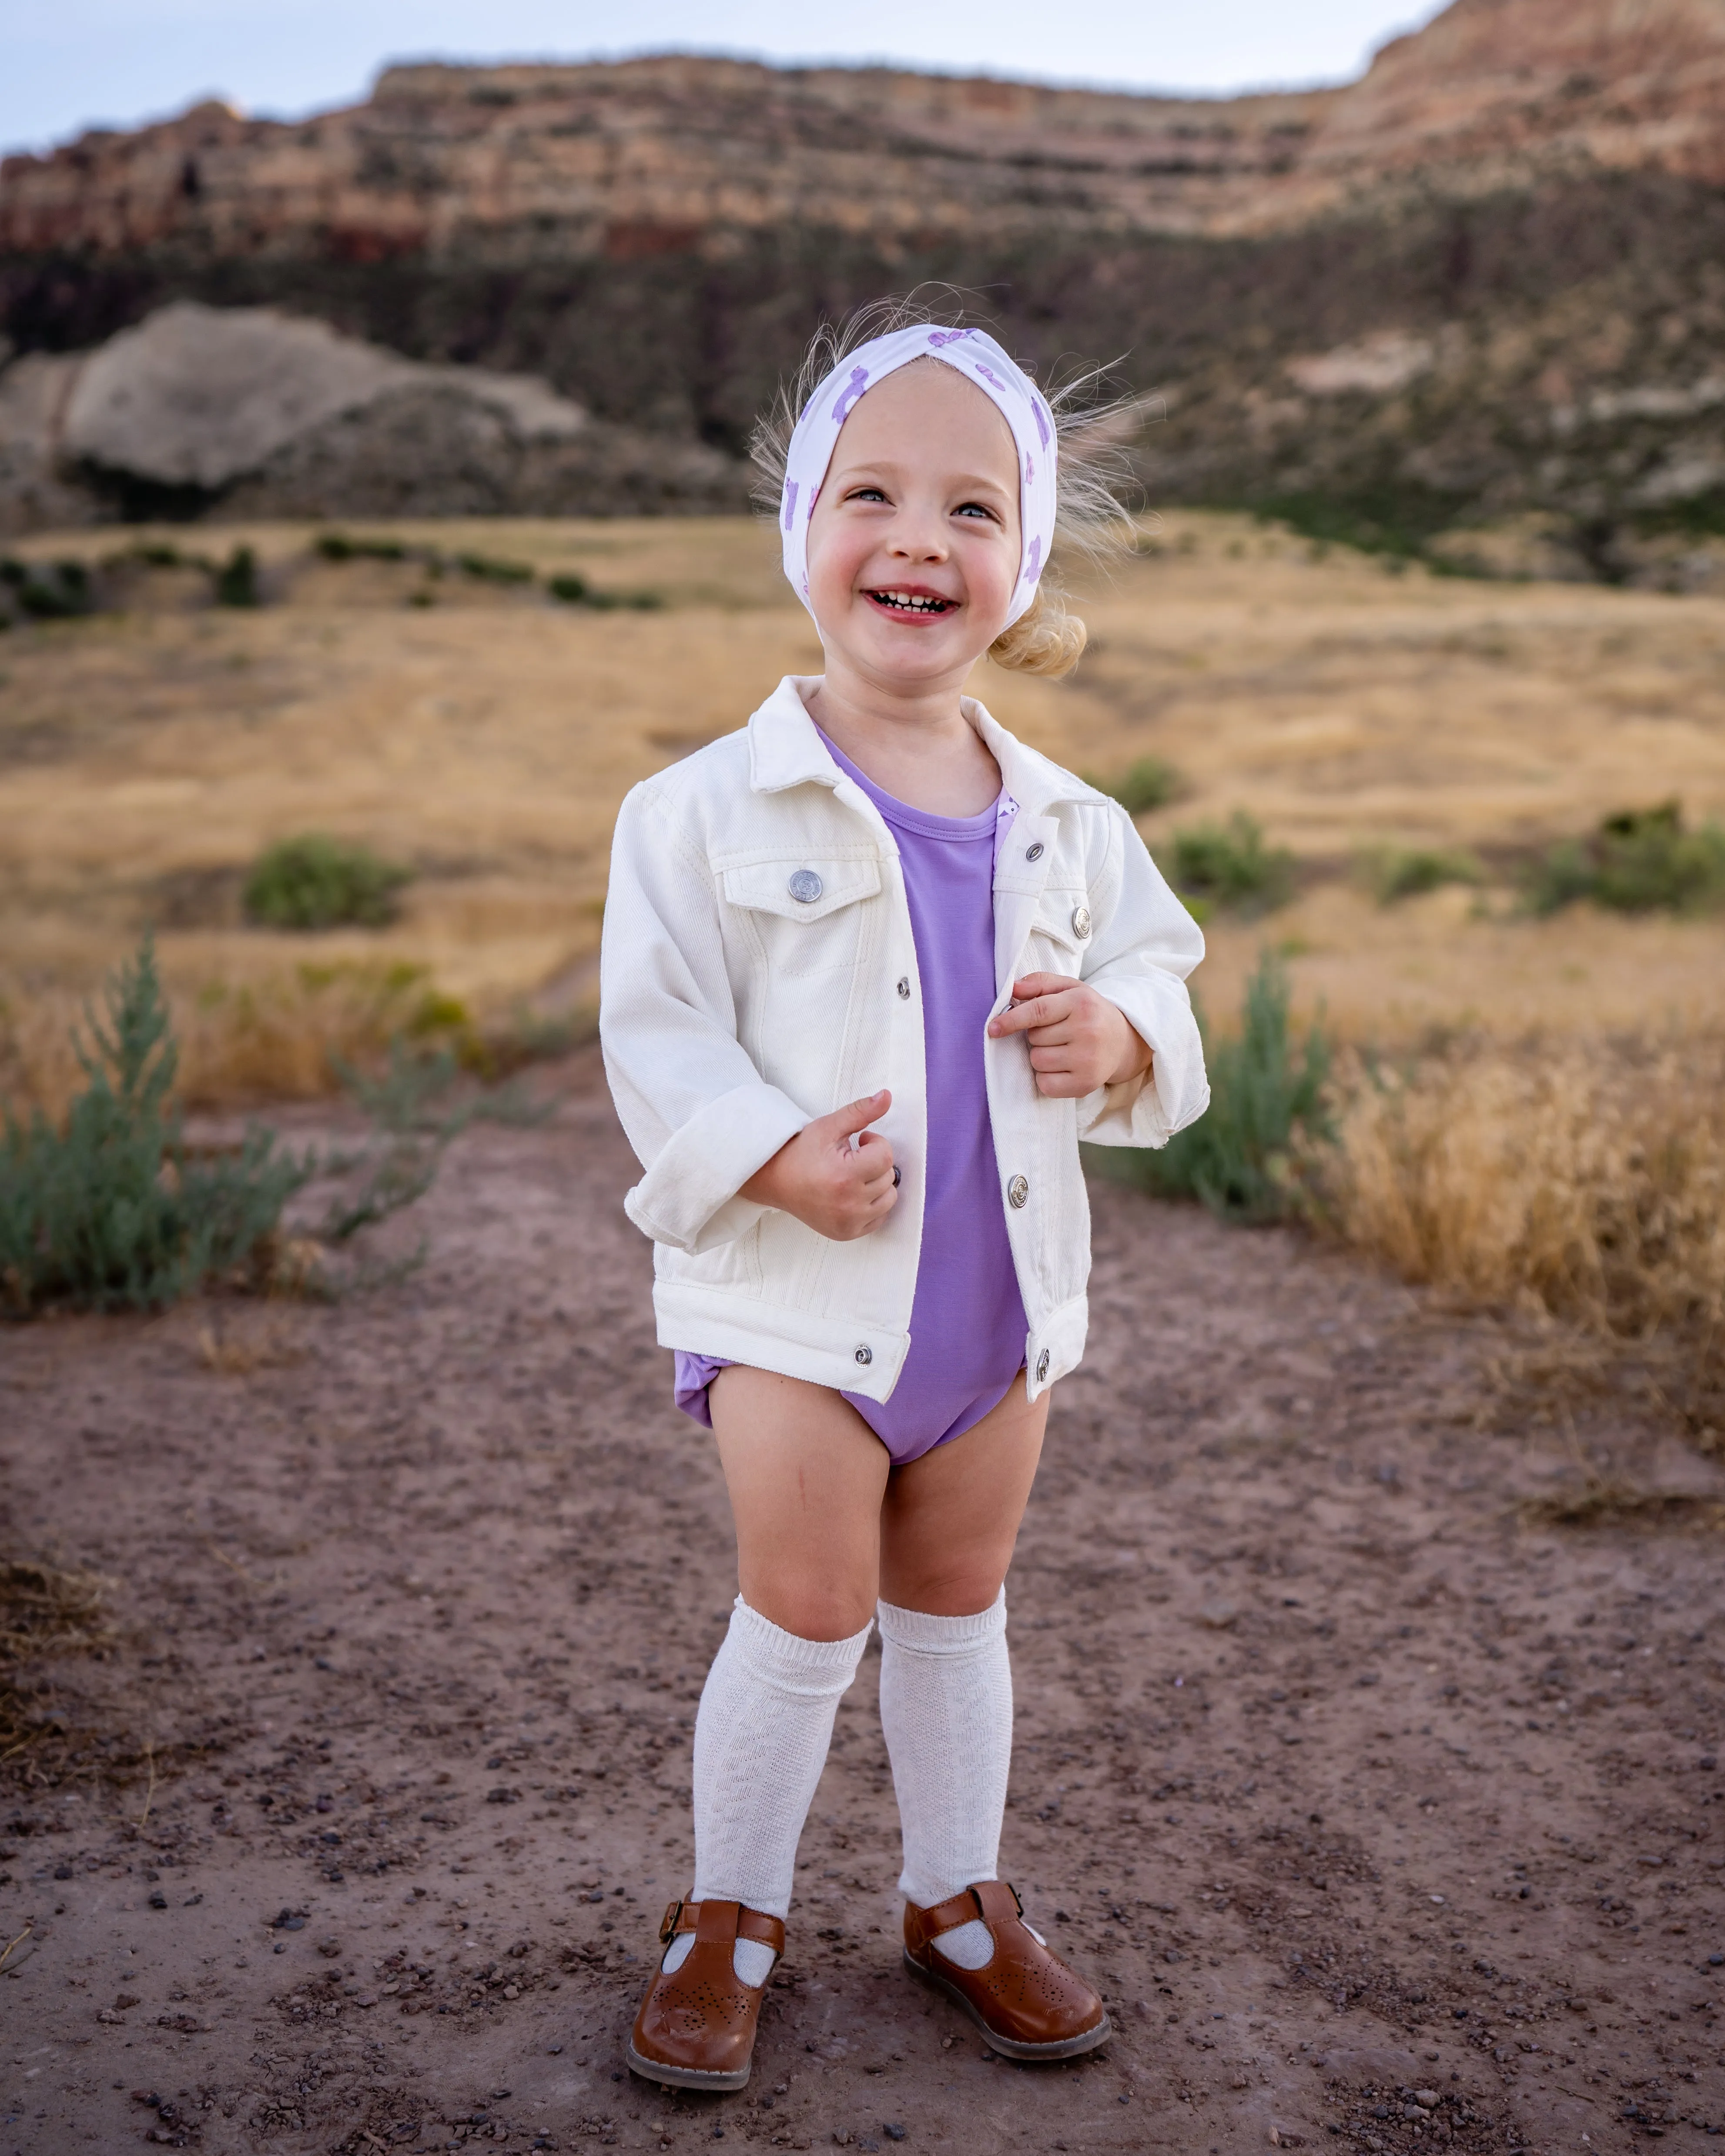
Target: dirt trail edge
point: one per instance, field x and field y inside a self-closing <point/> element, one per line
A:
<point x="1384" y="1822"/>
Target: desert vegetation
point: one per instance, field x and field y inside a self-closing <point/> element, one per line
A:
<point x="1456" y="846"/>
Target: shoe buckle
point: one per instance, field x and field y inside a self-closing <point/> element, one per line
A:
<point x="668" y="1928"/>
<point x="1017" y="1901"/>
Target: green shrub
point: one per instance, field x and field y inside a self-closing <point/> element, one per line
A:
<point x="337" y="546"/>
<point x="1394" y="872"/>
<point x="1228" y="866"/>
<point x="1266" y="1097"/>
<point x="113" y="1212"/>
<point x="236" y="584"/>
<point x="1149" y="784"/>
<point x="48" y="591"/>
<point x="492" y="570"/>
<point x="315" y="882"/>
<point x="1638" y="860"/>
<point x="576" y="591"/>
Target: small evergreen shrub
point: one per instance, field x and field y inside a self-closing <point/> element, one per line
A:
<point x="1394" y="872"/>
<point x="45" y="590"/>
<point x="338" y="546"/>
<point x="492" y="570"/>
<point x="576" y="591"/>
<point x="236" y="582"/>
<point x="1266" y="1104"/>
<point x="1149" y="784"/>
<point x="315" y="882"/>
<point x="113" y="1212"/>
<point x="1638" y="860"/>
<point x="1228" y="866"/>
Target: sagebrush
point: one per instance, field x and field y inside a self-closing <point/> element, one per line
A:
<point x="1266" y="1104"/>
<point x="112" y="1209"/>
<point x="315" y="882"/>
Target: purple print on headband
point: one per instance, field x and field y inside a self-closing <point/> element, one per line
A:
<point x="1032" y="560"/>
<point x="988" y="374"/>
<point x="1030" y="469"/>
<point x="1041" y="422"/>
<point x="939" y="337"/>
<point x="790" y="503"/>
<point x="848" y="394"/>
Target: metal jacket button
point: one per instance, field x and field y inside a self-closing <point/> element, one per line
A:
<point x="1042" y="1368"/>
<point x="1034" y="853"/>
<point x="806" y="886"/>
<point x="1080" y="922"/>
<point x="1018" y="1193"/>
<point x="904" y="988"/>
<point x="864" y="1355"/>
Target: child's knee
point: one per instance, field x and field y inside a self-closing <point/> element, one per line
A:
<point x="813" y="1607"/>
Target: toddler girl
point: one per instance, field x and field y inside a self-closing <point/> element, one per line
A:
<point x="871" y="968"/>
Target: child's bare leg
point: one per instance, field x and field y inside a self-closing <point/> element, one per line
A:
<point x="950" y="1519"/>
<point x="806" y="1475"/>
<point x="950" y="1523"/>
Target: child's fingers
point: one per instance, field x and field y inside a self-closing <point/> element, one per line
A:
<point x="1039" y="1000"/>
<point x="1037" y="1011"/>
<point x="856" y="1115"/>
<point x="873" y="1162"/>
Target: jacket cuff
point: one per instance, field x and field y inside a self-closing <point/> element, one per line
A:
<point x="1147" y="1109"/>
<point x="688" y="1197"/>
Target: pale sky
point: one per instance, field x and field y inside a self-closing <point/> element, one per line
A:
<point x="72" y="63"/>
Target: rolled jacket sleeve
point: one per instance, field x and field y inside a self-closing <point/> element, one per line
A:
<point x="698" y="1114"/>
<point x="1143" y="945"/>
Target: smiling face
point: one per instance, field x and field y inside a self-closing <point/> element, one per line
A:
<point x="913" y="547"/>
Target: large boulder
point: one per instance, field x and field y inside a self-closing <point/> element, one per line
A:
<point x="249" y="411"/>
<point x="199" y="396"/>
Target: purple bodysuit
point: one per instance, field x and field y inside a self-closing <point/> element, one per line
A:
<point x="968" y="1323"/>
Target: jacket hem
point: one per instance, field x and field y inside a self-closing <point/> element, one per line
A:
<point x="767" y="1336"/>
<point x="1061" y="1337"/>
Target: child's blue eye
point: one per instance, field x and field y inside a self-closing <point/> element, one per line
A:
<point x="974" y="509"/>
<point x="865" y="494"/>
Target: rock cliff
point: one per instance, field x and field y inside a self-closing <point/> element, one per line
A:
<point x="1488" y="277"/>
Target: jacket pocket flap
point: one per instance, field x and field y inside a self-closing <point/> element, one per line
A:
<point x="1054" y="919"/>
<point x="801" y="890"/>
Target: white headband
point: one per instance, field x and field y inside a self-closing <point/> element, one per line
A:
<point x="979" y="359"/>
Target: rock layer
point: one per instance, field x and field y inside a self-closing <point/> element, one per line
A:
<point x="1485" y="278"/>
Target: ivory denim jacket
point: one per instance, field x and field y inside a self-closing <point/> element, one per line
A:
<point x="758" y="969"/>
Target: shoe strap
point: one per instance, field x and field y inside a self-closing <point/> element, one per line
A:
<point x="994" y="1901"/>
<point x="721" y="1923"/>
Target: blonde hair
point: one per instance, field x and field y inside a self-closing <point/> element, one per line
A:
<point x="1092" y="473"/>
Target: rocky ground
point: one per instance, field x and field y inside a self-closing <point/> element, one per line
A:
<point x="1385" y="1819"/>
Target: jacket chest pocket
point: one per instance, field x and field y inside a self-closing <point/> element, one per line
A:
<point x="1060" y="932"/>
<point x="806" y="913"/>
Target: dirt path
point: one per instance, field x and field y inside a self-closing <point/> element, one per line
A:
<point x="1343" y="1784"/>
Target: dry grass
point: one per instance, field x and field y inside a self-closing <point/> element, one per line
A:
<point x="42" y="1611"/>
<point x="146" y="758"/>
<point x="1583" y="1183"/>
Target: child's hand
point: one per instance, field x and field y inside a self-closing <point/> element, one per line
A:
<point x="1079" y="1041"/>
<point x="839" y="1190"/>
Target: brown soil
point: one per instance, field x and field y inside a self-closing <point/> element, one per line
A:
<point x="1341" y="1782"/>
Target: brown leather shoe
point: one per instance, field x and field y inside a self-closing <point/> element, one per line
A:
<point x="696" y="2029"/>
<point x="1026" y="2001"/>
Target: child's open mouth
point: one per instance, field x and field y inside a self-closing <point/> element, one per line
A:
<point x="911" y="604"/>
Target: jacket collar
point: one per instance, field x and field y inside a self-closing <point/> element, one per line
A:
<point x="786" y="749"/>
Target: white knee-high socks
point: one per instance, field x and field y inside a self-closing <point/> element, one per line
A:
<point x="761" y="1738"/>
<point x="945" y="1708"/>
